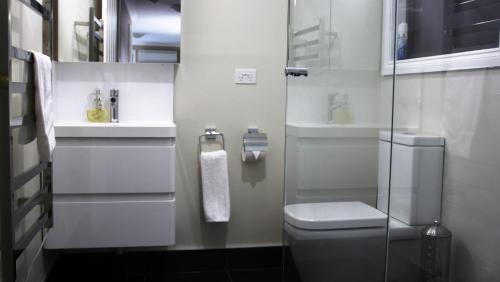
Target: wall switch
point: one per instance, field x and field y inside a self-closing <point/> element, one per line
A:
<point x="245" y="76"/>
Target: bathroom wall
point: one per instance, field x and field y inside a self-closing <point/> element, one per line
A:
<point x="72" y="39"/>
<point x="352" y="66"/>
<point x="27" y="34"/>
<point x="217" y="37"/>
<point x="463" y="107"/>
<point x="326" y="161"/>
<point x="146" y="90"/>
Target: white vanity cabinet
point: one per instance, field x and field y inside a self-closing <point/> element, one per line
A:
<point x="113" y="186"/>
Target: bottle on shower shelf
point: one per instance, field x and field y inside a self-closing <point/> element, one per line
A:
<point x="339" y="109"/>
<point x="402" y="41"/>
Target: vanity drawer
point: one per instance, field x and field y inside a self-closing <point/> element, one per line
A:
<point x="114" y="166"/>
<point x="112" y="223"/>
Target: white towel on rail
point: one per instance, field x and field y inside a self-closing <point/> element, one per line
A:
<point x="43" y="106"/>
<point x="215" y="186"/>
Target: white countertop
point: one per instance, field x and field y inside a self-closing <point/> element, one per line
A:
<point x="125" y="129"/>
<point x="326" y="130"/>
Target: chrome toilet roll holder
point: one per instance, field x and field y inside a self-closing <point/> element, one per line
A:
<point x="255" y="141"/>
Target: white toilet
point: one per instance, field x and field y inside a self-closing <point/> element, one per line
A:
<point x="345" y="241"/>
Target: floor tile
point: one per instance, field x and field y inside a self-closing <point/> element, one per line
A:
<point x="206" y="276"/>
<point x="179" y="261"/>
<point x="266" y="257"/>
<point x="254" y="264"/>
<point x="254" y="275"/>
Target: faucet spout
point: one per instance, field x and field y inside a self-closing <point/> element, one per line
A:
<point x="113" y="101"/>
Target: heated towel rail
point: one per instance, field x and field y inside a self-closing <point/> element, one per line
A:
<point x="96" y="35"/>
<point x="14" y="209"/>
<point x="311" y="46"/>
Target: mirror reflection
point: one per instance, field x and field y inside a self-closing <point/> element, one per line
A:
<point x="125" y="31"/>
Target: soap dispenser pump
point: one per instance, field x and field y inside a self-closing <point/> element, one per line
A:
<point x="97" y="113"/>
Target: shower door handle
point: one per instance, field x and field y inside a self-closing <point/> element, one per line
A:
<point x="293" y="71"/>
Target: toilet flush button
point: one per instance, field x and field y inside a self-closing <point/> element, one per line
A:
<point x="245" y="76"/>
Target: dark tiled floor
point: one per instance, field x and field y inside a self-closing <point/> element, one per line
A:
<point x="236" y="265"/>
<point x="253" y="275"/>
<point x="215" y="276"/>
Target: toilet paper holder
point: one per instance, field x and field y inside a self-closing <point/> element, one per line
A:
<point x="255" y="145"/>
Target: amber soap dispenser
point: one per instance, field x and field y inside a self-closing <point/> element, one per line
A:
<point x="97" y="113"/>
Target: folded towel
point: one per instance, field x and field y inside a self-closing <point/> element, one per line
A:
<point x="215" y="186"/>
<point x="43" y="106"/>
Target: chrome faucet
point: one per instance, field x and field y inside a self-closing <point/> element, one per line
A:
<point x="114" y="105"/>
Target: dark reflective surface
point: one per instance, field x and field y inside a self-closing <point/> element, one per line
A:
<point x="438" y="27"/>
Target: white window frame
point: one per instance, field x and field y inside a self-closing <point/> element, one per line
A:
<point x="485" y="58"/>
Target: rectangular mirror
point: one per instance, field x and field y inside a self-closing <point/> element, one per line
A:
<point x="125" y="31"/>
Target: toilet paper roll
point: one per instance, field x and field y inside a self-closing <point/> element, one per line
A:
<point x="252" y="156"/>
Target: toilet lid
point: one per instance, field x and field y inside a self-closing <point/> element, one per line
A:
<point x="335" y="215"/>
<point x="412" y="139"/>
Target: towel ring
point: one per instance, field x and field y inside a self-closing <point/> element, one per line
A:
<point x="211" y="134"/>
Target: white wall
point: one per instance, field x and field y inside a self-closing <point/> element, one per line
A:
<point x="217" y="37"/>
<point x="110" y="17"/>
<point x="70" y="49"/>
<point x="354" y="67"/>
<point x="146" y="90"/>
<point x="462" y="106"/>
<point x="331" y="163"/>
<point x="348" y="162"/>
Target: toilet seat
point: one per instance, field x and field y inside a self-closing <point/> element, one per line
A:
<point x="334" y="216"/>
<point x="313" y="221"/>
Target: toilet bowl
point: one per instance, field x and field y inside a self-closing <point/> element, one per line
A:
<point x="337" y="241"/>
<point x="346" y="241"/>
<point x="342" y="241"/>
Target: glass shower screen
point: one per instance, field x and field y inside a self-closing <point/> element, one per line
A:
<point x="337" y="142"/>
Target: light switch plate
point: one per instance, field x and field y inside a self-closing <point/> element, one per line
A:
<point x="245" y="76"/>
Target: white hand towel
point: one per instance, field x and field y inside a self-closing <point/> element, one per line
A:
<point x="43" y="106"/>
<point x="215" y="188"/>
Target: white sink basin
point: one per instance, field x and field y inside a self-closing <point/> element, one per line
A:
<point x="126" y="129"/>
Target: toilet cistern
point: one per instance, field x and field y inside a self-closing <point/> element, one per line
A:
<point x="113" y="101"/>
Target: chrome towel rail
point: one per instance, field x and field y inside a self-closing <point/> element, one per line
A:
<point x="211" y="134"/>
<point x="14" y="208"/>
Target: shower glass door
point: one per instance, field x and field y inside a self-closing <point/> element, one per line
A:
<point x="337" y="166"/>
<point x="448" y="88"/>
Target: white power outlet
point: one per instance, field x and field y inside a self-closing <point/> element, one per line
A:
<point x="245" y="76"/>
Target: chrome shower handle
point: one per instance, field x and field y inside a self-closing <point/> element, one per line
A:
<point x="294" y="71"/>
